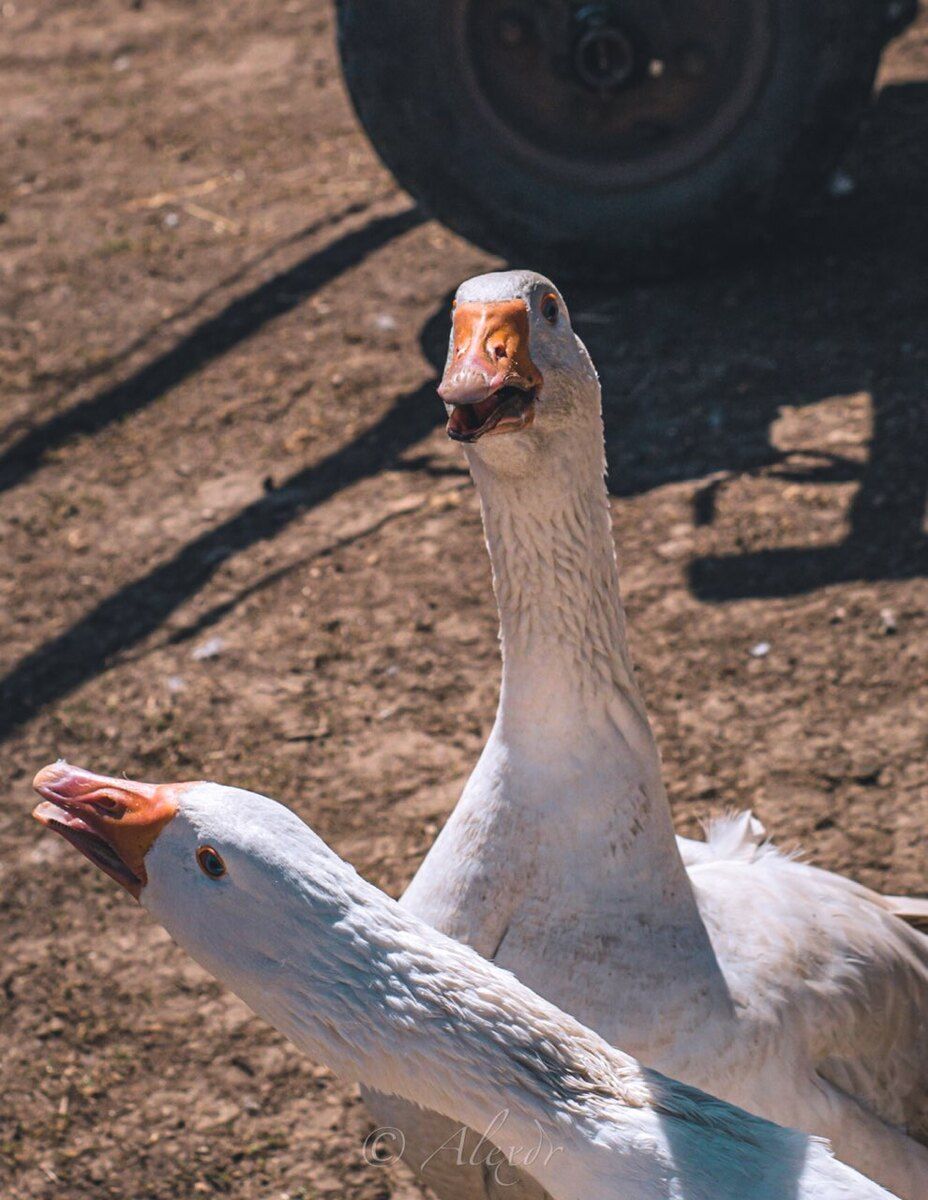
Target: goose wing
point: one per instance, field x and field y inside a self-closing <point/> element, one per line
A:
<point x="831" y="968"/>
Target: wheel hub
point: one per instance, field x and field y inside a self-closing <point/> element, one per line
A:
<point x="604" y="53"/>
<point x="614" y="92"/>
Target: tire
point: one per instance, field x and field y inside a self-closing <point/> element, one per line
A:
<point x="499" y="131"/>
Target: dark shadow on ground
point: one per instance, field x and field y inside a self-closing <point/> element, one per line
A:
<point x="240" y="319"/>
<point x="695" y="372"/>
<point x="120" y="621"/>
<point x="72" y="377"/>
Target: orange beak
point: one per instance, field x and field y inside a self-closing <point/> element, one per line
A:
<point x="113" y="822"/>
<point x="490" y="381"/>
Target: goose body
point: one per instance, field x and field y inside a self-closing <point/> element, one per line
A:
<point x="788" y="990"/>
<point x="361" y="984"/>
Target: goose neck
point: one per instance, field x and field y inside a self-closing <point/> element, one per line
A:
<point x="389" y="1003"/>
<point x="571" y="721"/>
<point x="562" y="628"/>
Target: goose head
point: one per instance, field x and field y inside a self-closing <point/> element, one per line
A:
<point x="518" y="382"/>
<point x="217" y="866"/>
<point x="242" y="884"/>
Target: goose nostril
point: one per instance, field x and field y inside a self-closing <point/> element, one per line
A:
<point x="108" y="806"/>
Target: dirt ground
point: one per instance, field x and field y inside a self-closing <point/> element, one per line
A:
<point x="237" y="544"/>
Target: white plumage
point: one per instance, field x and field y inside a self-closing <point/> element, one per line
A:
<point x="254" y="895"/>
<point x="788" y="990"/>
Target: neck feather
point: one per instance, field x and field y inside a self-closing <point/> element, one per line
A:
<point x="549" y="535"/>
<point x="385" y="1000"/>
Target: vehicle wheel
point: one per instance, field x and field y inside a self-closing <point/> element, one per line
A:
<point x="613" y="137"/>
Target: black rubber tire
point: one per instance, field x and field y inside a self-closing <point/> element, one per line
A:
<point x="401" y="75"/>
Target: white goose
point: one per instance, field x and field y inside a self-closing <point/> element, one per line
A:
<point x="785" y="989"/>
<point x="255" y="896"/>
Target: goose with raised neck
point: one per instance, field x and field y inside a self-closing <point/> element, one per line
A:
<point x="247" y="888"/>
<point x="711" y="961"/>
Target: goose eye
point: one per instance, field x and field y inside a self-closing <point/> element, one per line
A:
<point x="549" y="308"/>
<point x="211" y="863"/>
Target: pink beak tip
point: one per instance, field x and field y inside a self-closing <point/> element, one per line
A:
<point x="62" y="781"/>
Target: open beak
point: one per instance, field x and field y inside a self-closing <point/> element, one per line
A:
<point x="490" y="383"/>
<point x="113" y="822"/>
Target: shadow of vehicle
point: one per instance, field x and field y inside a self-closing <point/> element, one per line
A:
<point x="695" y="373"/>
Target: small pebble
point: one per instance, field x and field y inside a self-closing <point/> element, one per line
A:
<point x="761" y="650"/>
<point x="841" y="184"/>
<point x="888" y="621"/>
<point x="171" y="220"/>
<point x="211" y="648"/>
